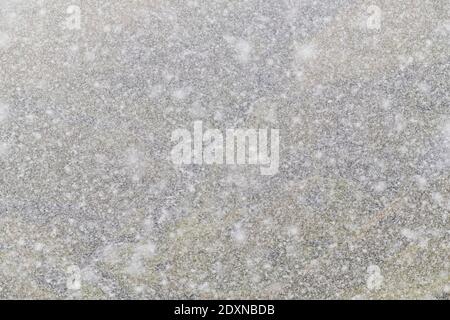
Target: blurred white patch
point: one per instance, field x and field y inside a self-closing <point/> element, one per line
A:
<point x="264" y="111"/>
<point x="73" y="20"/>
<point x="305" y="52"/>
<point x="421" y="182"/>
<point x="4" y="147"/>
<point x="155" y="90"/>
<point x="135" y="163"/>
<point x="443" y="138"/>
<point x="374" y="279"/>
<point x="238" y="233"/>
<point x="409" y="234"/>
<point x="380" y="186"/>
<point x="386" y="104"/>
<point x="134" y="157"/>
<point x="38" y="246"/>
<point x="446" y="133"/>
<point x="140" y="253"/>
<point x="437" y="198"/>
<point x="73" y="281"/>
<point x="444" y="28"/>
<point x="447" y="289"/>
<point x="417" y="237"/>
<point x="181" y="93"/>
<point x="242" y="48"/>
<point x="374" y="19"/>
<point x="4" y="111"/>
<point x="405" y="61"/>
<point x="292" y="231"/>
<point x="424" y="87"/>
<point x="5" y="40"/>
<point x="400" y="122"/>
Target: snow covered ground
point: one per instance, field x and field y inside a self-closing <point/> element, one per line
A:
<point x="91" y="206"/>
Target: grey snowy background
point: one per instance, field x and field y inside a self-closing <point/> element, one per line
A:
<point x="91" y="207"/>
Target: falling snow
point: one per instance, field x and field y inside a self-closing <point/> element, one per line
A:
<point x="92" y="207"/>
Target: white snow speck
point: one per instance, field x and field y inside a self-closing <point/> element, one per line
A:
<point x="380" y="186"/>
<point x="292" y="231"/>
<point x="437" y="198"/>
<point x="181" y="93"/>
<point x="238" y="233"/>
<point x="374" y="279"/>
<point x="73" y="281"/>
<point x="3" y="111"/>
<point x="409" y="234"/>
<point x="4" y="147"/>
<point x="242" y="47"/>
<point x="421" y="182"/>
<point x="305" y="52"/>
<point x="140" y="254"/>
<point x="5" y="40"/>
